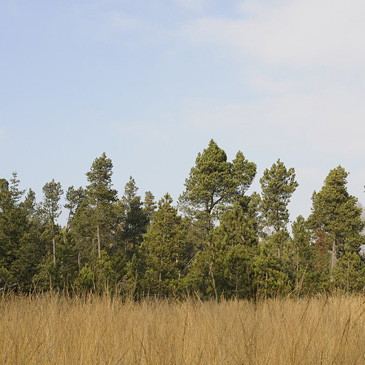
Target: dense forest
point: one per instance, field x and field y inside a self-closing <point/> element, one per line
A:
<point x="216" y="241"/>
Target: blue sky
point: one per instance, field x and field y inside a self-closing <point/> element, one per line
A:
<point x="150" y="83"/>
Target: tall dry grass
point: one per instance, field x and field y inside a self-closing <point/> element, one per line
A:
<point x="57" y="330"/>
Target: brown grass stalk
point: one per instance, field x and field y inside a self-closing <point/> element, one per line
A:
<point x="52" y="329"/>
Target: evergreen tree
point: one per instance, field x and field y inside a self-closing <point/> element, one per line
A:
<point x="13" y="226"/>
<point x="33" y="245"/>
<point x="166" y="251"/>
<point x="214" y="182"/>
<point x="51" y="210"/>
<point x="82" y="231"/>
<point x="277" y="184"/>
<point x="149" y="205"/>
<point x="336" y="216"/>
<point x="308" y="273"/>
<point x="349" y="273"/>
<point x="101" y="197"/>
<point x="74" y="198"/>
<point x="269" y="278"/>
<point x="135" y="218"/>
<point x="225" y="267"/>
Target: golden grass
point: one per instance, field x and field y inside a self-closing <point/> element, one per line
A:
<point x="56" y="330"/>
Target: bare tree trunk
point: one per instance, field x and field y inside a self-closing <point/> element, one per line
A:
<point x="54" y="250"/>
<point x="333" y="258"/>
<point x="53" y="245"/>
<point x="99" y="243"/>
<point x="213" y="281"/>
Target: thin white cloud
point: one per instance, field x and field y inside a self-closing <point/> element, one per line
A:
<point x="294" y="32"/>
<point x="329" y="121"/>
<point x="319" y="103"/>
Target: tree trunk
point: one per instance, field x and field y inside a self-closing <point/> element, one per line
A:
<point x="99" y="243"/>
<point x="53" y="245"/>
<point x="333" y="258"/>
<point x="213" y="281"/>
<point x="54" y="250"/>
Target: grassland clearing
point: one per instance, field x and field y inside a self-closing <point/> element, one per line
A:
<point x="52" y="329"/>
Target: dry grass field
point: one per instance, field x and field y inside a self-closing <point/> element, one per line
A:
<point x="57" y="330"/>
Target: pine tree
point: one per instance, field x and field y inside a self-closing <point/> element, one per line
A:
<point x="277" y="185"/>
<point x="51" y="210"/>
<point x="269" y="278"/>
<point x="349" y="273"/>
<point x="74" y="198"/>
<point x="135" y="218"/>
<point x="214" y="182"/>
<point x="101" y="197"/>
<point x="149" y="205"/>
<point x="166" y="251"/>
<point x="225" y="267"/>
<point x="13" y="226"/>
<point x="336" y="216"/>
<point x="82" y="230"/>
<point x="33" y="245"/>
<point x="308" y="278"/>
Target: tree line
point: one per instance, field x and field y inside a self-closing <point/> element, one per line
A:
<point x="217" y="241"/>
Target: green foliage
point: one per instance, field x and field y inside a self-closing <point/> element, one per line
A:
<point x="277" y="184"/>
<point x="349" y="273"/>
<point x="86" y="279"/>
<point x="135" y="219"/>
<point x="166" y="251"/>
<point x="336" y="218"/>
<point x="100" y="190"/>
<point x="225" y="266"/>
<point x="149" y="205"/>
<point x="270" y="280"/>
<point x="213" y="182"/>
<point x="101" y="197"/>
<point x="336" y="214"/>
<point x="74" y="198"/>
<point x="51" y="209"/>
<point x="226" y="245"/>
<point x="13" y="221"/>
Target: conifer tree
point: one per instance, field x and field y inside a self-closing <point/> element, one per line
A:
<point x="33" y="245"/>
<point x="277" y="185"/>
<point x="225" y="267"/>
<point x="269" y="278"/>
<point x="303" y="257"/>
<point x="349" y="273"/>
<point x="149" y="205"/>
<point x="51" y="210"/>
<point x="74" y="198"/>
<point x="101" y="197"/>
<point x="336" y="216"/>
<point x="135" y="218"/>
<point x="82" y="230"/>
<point x="214" y="182"/>
<point x="166" y="250"/>
<point x="13" y="227"/>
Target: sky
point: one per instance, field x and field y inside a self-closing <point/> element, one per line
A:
<point x="151" y="82"/>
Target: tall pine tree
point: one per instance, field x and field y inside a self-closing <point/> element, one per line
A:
<point x="336" y="216"/>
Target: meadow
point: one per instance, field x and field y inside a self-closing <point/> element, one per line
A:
<point x="52" y="329"/>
